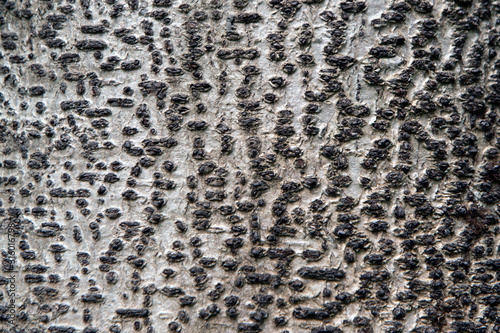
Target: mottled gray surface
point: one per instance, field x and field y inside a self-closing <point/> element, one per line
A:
<point x="313" y="166"/>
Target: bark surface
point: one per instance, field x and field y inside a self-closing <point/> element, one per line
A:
<point x="249" y="166"/>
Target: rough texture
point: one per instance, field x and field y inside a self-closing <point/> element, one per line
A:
<point x="242" y="166"/>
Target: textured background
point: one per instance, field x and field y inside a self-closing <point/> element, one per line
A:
<point x="242" y="166"/>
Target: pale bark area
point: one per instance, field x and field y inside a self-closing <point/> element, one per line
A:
<point x="282" y="166"/>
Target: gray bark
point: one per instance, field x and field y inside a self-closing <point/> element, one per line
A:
<point x="281" y="166"/>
